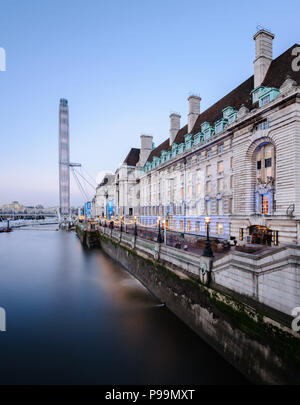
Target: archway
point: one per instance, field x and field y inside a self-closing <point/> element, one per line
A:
<point x="260" y="235"/>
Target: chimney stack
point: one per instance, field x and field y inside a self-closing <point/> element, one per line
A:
<point x="194" y="111"/>
<point x="146" y="148"/>
<point x="174" y="126"/>
<point x="264" y="55"/>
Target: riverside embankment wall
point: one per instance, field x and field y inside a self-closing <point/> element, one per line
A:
<point x="262" y="348"/>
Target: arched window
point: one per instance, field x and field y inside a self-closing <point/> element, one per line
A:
<point x="265" y="177"/>
<point x="265" y="163"/>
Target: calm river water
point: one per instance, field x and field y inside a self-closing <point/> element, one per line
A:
<point x="76" y="317"/>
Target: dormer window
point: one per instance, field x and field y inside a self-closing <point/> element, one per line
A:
<point x="265" y="100"/>
<point x="264" y="95"/>
<point x="232" y="118"/>
<point x="181" y="148"/>
<point x="220" y="126"/>
<point x="156" y="161"/>
<point x="207" y="130"/>
<point x="187" y="137"/>
<point x="163" y="156"/>
<point x="174" y="149"/>
<point x="227" y="112"/>
<point x="197" y="139"/>
<point x="188" y="141"/>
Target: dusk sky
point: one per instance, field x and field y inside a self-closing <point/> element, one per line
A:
<point x="123" y="66"/>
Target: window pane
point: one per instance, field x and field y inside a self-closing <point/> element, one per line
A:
<point x="268" y="162"/>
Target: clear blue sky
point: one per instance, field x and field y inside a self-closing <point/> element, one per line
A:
<point x="123" y="65"/>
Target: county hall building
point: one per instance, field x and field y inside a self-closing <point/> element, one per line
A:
<point x="237" y="162"/>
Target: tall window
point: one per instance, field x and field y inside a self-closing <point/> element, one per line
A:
<point x="207" y="207"/>
<point x="208" y="170"/>
<point x="265" y="204"/>
<point x="219" y="207"/>
<point x="219" y="228"/>
<point x="220" y="185"/>
<point x="265" y="163"/>
<point x="265" y="176"/>
<point x="220" y="167"/>
<point x="208" y="186"/>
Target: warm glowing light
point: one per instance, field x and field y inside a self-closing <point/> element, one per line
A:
<point x="207" y="220"/>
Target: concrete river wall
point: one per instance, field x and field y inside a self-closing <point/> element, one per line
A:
<point x="256" y="339"/>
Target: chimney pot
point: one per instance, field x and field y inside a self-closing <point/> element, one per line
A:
<point x="146" y="148"/>
<point x="263" y="55"/>
<point x="194" y="111"/>
<point x="174" y="126"/>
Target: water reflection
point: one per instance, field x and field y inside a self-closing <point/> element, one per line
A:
<point x="74" y="316"/>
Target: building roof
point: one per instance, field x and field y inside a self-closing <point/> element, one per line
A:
<point x="108" y="179"/>
<point x="280" y="68"/>
<point x="133" y="157"/>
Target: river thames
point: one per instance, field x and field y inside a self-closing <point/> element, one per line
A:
<point x="76" y="317"/>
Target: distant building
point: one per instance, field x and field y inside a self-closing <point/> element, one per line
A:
<point x="15" y="206"/>
<point x="127" y="191"/>
<point x="103" y="202"/>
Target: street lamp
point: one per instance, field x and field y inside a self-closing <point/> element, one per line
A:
<point x="135" y="227"/>
<point x="159" y="238"/>
<point x="106" y="197"/>
<point x="207" y="251"/>
<point x="121" y="224"/>
<point x="112" y="222"/>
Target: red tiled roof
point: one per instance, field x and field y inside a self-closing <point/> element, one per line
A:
<point x="133" y="157"/>
<point x="277" y="73"/>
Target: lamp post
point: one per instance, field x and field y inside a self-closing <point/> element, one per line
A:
<point x="207" y="251"/>
<point x="121" y="224"/>
<point x="106" y="198"/>
<point x="135" y="227"/>
<point x="159" y="238"/>
<point x="166" y="221"/>
<point x="112" y="222"/>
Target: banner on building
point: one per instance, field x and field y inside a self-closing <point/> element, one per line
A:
<point x="88" y="210"/>
<point x="110" y="208"/>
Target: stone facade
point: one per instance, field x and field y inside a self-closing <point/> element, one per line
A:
<point x="127" y="178"/>
<point x="238" y="161"/>
<point x="103" y="202"/>
<point x="242" y="169"/>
